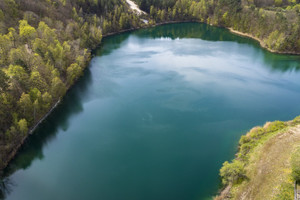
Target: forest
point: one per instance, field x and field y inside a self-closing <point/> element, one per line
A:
<point x="45" y="45"/>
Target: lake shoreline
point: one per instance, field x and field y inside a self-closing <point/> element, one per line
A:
<point x="263" y="144"/>
<point x="242" y="34"/>
<point x="17" y="147"/>
<point x="262" y="44"/>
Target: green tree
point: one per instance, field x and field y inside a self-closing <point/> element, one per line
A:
<point x="18" y="78"/>
<point x="3" y="81"/>
<point x="47" y="100"/>
<point x="35" y="94"/>
<point x="278" y="3"/>
<point x="152" y="11"/>
<point x="58" y="88"/>
<point x="27" y="32"/>
<point x="95" y="36"/>
<point x="13" y="36"/>
<point x="26" y="106"/>
<point x="36" y="80"/>
<point x="73" y="72"/>
<point x="36" y="106"/>
<point x="23" y="127"/>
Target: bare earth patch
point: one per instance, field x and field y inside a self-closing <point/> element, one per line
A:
<point x="135" y="7"/>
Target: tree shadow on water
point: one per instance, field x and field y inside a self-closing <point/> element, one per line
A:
<point x="6" y="185"/>
<point x="32" y="149"/>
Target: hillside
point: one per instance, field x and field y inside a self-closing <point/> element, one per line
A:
<point x="266" y="165"/>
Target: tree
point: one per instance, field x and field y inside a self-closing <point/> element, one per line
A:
<point x="106" y="26"/>
<point x="35" y="94"/>
<point x="58" y="88"/>
<point x="18" y="78"/>
<point x="174" y="13"/>
<point x="22" y="56"/>
<point x="47" y="100"/>
<point x="47" y="34"/>
<point x="95" y="36"/>
<point x="278" y="3"/>
<point x="36" y="80"/>
<point x="23" y="127"/>
<point x="3" y="81"/>
<point x="152" y="11"/>
<point x="162" y="15"/>
<point x="73" y="72"/>
<point x="13" y="36"/>
<point x="27" y="32"/>
<point x="55" y="54"/>
<point x="26" y="106"/>
<point x="5" y="46"/>
<point x="123" y="22"/>
<point x="6" y="107"/>
<point x="36" y="106"/>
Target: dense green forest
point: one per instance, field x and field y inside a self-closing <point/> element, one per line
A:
<point x="46" y="44"/>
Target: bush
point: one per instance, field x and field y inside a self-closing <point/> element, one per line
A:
<point x="232" y="173"/>
<point x="286" y="192"/>
<point x="295" y="164"/>
<point x="296" y="120"/>
<point x="275" y="126"/>
<point x="244" y="150"/>
<point x="256" y="132"/>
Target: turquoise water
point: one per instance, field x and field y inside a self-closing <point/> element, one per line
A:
<point x="154" y="117"/>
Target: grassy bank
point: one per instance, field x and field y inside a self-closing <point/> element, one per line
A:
<point x="264" y="167"/>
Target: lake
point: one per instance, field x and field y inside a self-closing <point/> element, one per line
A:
<point x="154" y="117"/>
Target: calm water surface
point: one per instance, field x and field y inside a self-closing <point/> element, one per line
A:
<point x="154" y="117"/>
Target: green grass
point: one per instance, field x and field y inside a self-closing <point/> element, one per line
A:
<point x="265" y="156"/>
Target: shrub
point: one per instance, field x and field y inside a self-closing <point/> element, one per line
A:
<point x="295" y="164"/>
<point x="286" y="192"/>
<point x="256" y="132"/>
<point x="244" y="150"/>
<point x="296" y="120"/>
<point x="244" y="139"/>
<point x="232" y="173"/>
<point x="274" y="126"/>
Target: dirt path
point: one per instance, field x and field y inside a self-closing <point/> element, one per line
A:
<point x="270" y="166"/>
<point x="135" y="7"/>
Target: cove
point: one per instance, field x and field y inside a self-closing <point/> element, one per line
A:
<point x="154" y="117"/>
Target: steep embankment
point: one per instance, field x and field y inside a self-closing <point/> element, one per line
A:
<point x="262" y="169"/>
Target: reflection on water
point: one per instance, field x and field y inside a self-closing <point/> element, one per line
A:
<point x="47" y="130"/>
<point x="6" y="186"/>
<point x="210" y="33"/>
<point x="276" y="62"/>
<point x="153" y="104"/>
